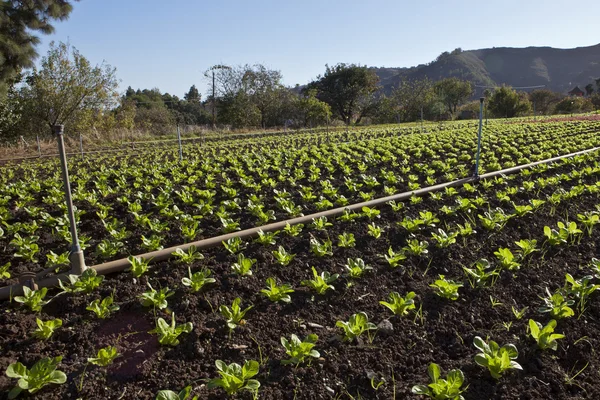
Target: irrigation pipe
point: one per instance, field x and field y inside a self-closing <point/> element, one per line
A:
<point x="165" y="254"/>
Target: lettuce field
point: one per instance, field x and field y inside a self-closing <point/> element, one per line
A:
<point x="481" y="290"/>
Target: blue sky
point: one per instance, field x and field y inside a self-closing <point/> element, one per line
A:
<point x="168" y="44"/>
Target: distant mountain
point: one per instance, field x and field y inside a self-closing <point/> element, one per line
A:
<point x="559" y="69"/>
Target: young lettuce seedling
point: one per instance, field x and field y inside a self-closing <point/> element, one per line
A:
<point x="266" y="238"/>
<point x="4" y="271"/>
<point x="45" y="329"/>
<point x="198" y="280"/>
<point x="234" y="245"/>
<point x="103" y="308"/>
<point x="139" y="266"/>
<point x="507" y="259"/>
<point x="168" y="334"/>
<point x="243" y="266"/>
<point x="293" y="230"/>
<point x="557" y="305"/>
<point x="32" y="380"/>
<point x="277" y="293"/>
<point x="545" y="336"/>
<point x="446" y="288"/>
<point x="156" y="298"/>
<point x="482" y="273"/>
<point x="188" y="257"/>
<point x="84" y="283"/>
<point x="234" y="377"/>
<point x="495" y="358"/>
<point x="400" y="305"/>
<point x="299" y="350"/>
<point x="235" y="315"/>
<point x="105" y="356"/>
<point x="374" y="230"/>
<point x="320" y="282"/>
<point x="356" y="326"/>
<point x="283" y="257"/>
<point x="356" y="267"/>
<point x="346" y="240"/>
<point x="321" y="249"/>
<point x="34" y="299"/>
<point x="184" y="394"/>
<point x="440" y="389"/>
<point x="393" y="258"/>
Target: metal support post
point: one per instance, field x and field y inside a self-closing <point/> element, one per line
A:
<point x="179" y="140"/>
<point x="77" y="258"/>
<point x="476" y="172"/>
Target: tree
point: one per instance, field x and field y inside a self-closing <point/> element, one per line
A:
<point x="506" y="103"/>
<point x="68" y="89"/>
<point x="570" y="105"/>
<point x="589" y="89"/>
<point x="598" y="85"/>
<point x="18" y="20"/>
<point x="263" y="86"/>
<point x="192" y="95"/>
<point x="544" y="100"/>
<point x="453" y="92"/>
<point x="349" y="90"/>
<point x="310" y="110"/>
<point x="410" y="96"/>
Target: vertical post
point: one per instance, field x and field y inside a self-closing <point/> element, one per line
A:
<point x="77" y="258"/>
<point x="213" y="101"/>
<point x="476" y="172"/>
<point x="81" y="145"/>
<point x="37" y="138"/>
<point x="179" y="140"/>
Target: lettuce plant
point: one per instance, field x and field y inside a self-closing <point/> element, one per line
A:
<point x="139" y="266"/>
<point x="184" y="394"/>
<point x="45" y="329"/>
<point x="495" y="358"/>
<point x="234" y="245"/>
<point x="442" y="389"/>
<point x="416" y="247"/>
<point x="544" y="335"/>
<point x="321" y="282"/>
<point x="293" y="230"/>
<point x="321" y="223"/>
<point x="4" y="271"/>
<point x="321" y="249"/>
<point x="105" y="356"/>
<point x="197" y="280"/>
<point x="266" y="237"/>
<point x="557" y="305"/>
<point x="507" y="259"/>
<point x="527" y="247"/>
<point x="282" y="256"/>
<point x="34" y="299"/>
<point x="234" y="377"/>
<point x="356" y="267"/>
<point x="481" y="273"/>
<point x="156" y="298"/>
<point x="444" y="239"/>
<point x="346" y="240"/>
<point x="103" y="308"/>
<point x="356" y="326"/>
<point x="299" y="350"/>
<point x="394" y="259"/>
<point x="277" y="293"/>
<point x="445" y="288"/>
<point x="32" y="380"/>
<point x="243" y="266"/>
<point x="188" y="257"/>
<point x="168" y="334"/>
<point x="581" y="289"/>
<point x="374" y="230"/>
<point x="234" y="316"/>
<point x="400" y="305"/>
<point x="84" y="283"/>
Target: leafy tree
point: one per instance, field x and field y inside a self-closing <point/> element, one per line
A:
<point x="598" y="85"/>
<point x="192" y="95"/>
<point x="589" y="89"/>
<point x="506" y="102"/>
<point x="68" y="90"/>
<point x="453" y="92"/>
<point x="544" y="100"/>
<point x="410" y="96"/>
<point x="264" y="87"/>
<point x="18" y="21"/>
<point x="570" y="105"/>
<point x="349" y="90"/>
<point x="310" y="110"/>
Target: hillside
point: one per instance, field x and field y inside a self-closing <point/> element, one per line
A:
<point x="559" y="69"/>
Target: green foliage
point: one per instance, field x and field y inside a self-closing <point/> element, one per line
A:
<point x="184" y="394"/>
<point x="282" y="256"/>
<point x="234" y="316"/>
<point x="293" y="230"/>
<point x="188" y="257"/>
<point x="442" y="389"/>
<point x="234" y="245"/>
<point x="168" y="334"/>
<point x="346" y="240"/>
<point x="4" y="271"/>
<point x="394" y="259"/>
<point x="32" y="380"/>
<point x="45" y="329"/>
<point x="321" y="282"/>
<point x="198" y="280"/>
<point x="445" y="288"/>
<point x="545" y="336"/>
<point x="321" y="249"/>
<point x="453" y="92"/>
<point x="277" y="293"/>
<point x="243" y="266"/>
<point x="105" y="356"/>
<point x="156" y="298"/>
<point x="34" y="299"/>
<point x="507" y="103"/>
<point x="356" y="326"/>
<point x="84" y="283"/>
<point x="299" y="350"/>
<point x="507" y="259"/>
<point x="103" y="308"/>
<point x="400" y="305"/>
<point x="495" y="358"/>
<point x="356" y="267"/>
<point x="234" y="377"/>
<point x="266" y="237"/>
<point x="139" y="266"/>
<point x="482" y="273"/>
<point x="557" y="305"/>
